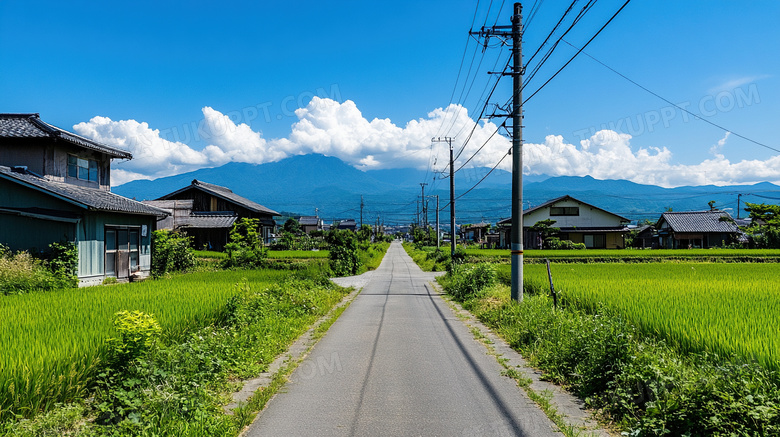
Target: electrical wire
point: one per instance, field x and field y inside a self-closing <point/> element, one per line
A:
<point x="578" y="52"/>
<point x="673" y="104"/>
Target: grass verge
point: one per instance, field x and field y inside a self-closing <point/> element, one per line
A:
<point x="645" y="386"/>
<point x="177" y="387"/>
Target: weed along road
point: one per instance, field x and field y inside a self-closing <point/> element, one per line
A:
<point x="399" y="363"/>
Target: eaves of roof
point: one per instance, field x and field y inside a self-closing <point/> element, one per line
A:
<point x="31" y="126"/>
<point x="87" y="198"/>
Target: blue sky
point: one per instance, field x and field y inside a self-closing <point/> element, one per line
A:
<point x="192" y="84"/>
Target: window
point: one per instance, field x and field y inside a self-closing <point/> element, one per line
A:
<point x="84" y="169"/>
<point x="564" y="210"/>
<point x="596" y="241"/>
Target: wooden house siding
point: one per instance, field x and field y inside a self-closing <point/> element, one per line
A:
<point x="50" y="160"/>
<point x="88" y="233"/>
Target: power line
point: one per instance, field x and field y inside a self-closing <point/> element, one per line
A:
<point x="578" y="52"/>
<point x="481" y="180"/>
<point x="673" y="104"/>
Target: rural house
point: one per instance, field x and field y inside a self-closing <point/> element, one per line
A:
<point x="578" y="221"/>
<point x="696" y="229"/>
<point x="348" y="224"/>
<point x="55" y="186"/>
<point x="310" y="223"/>
<point x="475" y="232"/>
<point x="206" y="212"/>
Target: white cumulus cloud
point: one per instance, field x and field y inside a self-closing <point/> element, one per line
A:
<point x="331" y="128"/>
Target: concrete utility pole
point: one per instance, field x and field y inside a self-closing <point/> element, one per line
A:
<point x="517" y="142"/>
<point x="517" y="155"/>
<point x="438" y="243"/>
<point x="448" y="140"/>
<point x="361" y="211"/>
<point x="424" y="220"/>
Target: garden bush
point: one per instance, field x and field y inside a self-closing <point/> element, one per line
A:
<point x="20" y="272"/>
<point x="171" y="252"/>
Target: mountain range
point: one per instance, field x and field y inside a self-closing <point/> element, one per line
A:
<point x="327" y="186"/>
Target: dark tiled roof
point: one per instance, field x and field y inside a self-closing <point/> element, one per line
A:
<point x="208" y="221"/>
<point x="700" y="221"/>
<point x="225" y="193"/>
<point x="309" y="220"/>
<point x="31" y="126"/>
<point x="89" y="198"/>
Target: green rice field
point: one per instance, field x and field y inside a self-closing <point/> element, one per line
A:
<point x="635" y="255"/>
<point x="273" y="254"/>
<point x="53" y="342"/>
<point x="724" y="308"/>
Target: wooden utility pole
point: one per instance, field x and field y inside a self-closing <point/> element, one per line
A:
<point x="448" y="140"/>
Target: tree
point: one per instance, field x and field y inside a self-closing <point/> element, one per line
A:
<point x="546" y="231"/>
<point x="292" y="226"/>
<point x="765" y="227"/>
<point x="245" y="248"/>
<point x="764" y="213"/>
<point x="343" y="252"/>
<point x="364" y="233"/>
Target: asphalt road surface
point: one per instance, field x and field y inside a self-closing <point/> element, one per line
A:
<point x="399" y="363"/>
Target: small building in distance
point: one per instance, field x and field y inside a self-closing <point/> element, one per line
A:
<point x="56" y="186"/>
<point x="206" y="212"/>
<point x="310" y="223"/>
<point x="578" y="221"/>
<point x="348" y="224"/>
<point x="476" y="232"/>
<point x="696" y="229"/>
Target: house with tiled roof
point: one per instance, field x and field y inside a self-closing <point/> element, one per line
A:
<point x="310" y="223"/>
<point x="696" y="229"/>
<point x="206" y="212"/>
<point x="56" y="186"/>
<point x="578" y="221"/>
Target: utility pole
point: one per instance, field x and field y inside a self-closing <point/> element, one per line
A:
<point x="424" y="221"/>
<point x="517" y="142"/>
<point x="361" y="211"/>
<point x="738" y="202"/>
<point x="448" y="140"/>
<point x="517" y="155"/>
<point x="438" y="243"/>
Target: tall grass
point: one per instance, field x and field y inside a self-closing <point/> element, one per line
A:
<point x="727" y="309"/>
<point x="53" y="343"/>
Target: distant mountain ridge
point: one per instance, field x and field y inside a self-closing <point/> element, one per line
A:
<point x="332" y="188"/>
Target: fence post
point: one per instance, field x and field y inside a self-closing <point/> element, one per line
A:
<point x="552" y="287"/>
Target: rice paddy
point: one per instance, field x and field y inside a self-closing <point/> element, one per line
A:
<point x="726" y="309"/>
<point x="52" y="343"/>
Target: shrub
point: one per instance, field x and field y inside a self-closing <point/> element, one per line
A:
<point x="20" y="273"/>
<point x="344" y="259"/>
<point x="466" y="281"/>
<point x="137" y="331"/>
<point x="63" y="261"/>
<point x="171" y="252"/>
<point x="245" y="249"/>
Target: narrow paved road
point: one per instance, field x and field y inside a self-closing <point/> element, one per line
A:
<point x="399" y="363"/>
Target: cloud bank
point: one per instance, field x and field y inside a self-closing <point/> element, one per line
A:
<point x="331" y="128"/>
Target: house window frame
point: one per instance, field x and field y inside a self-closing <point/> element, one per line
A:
<point x="134" y="254"/>
<point x="557" y="211"/>
<point x="89" y="171"/>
